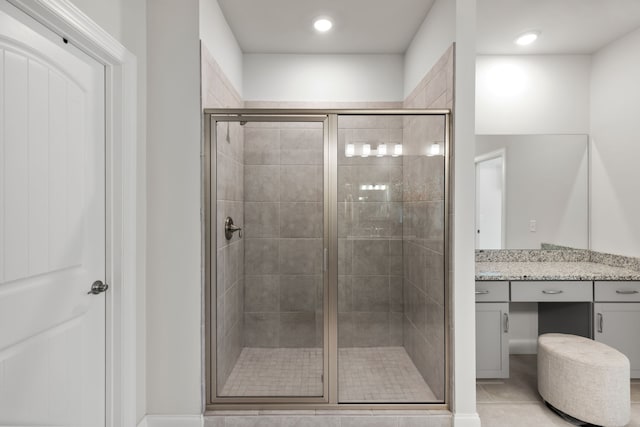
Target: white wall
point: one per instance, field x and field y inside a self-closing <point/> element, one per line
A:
<point x="220" y="41"/>
<point x="174" y="225"/>
<point x="615" y="133"/>
<point x="322" y="78"/>
<point x="434" y="37"/>
<point x="108" y="14"/>
<point x="134" y="37"/>
<point x="463" y="321"/>
<point x="532" y="94"/>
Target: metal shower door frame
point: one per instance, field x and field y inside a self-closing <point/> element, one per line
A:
<point x="329" y="119"/>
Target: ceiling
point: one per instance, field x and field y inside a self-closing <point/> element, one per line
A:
<point x="567" y="26"/>
<point x="388" y="26"/>
<point x="360" y="26"/>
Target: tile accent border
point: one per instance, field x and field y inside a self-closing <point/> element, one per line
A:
<point x="330" y="418"/>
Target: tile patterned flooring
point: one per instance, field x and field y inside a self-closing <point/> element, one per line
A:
<point x="515" y="401"/>
<point x="380" y="374"/>
<point x="276" y="372"/>
<point x="366" y="374"/>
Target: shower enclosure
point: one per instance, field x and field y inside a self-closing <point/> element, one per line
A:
<point x="326" y="257"/>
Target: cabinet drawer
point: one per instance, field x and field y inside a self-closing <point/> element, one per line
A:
<point x="550" y="291"/>
<point x="492" y="291"/>
<point x="624" y="291"/>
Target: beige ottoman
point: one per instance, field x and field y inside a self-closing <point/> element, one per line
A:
<point x="585" y="379"/>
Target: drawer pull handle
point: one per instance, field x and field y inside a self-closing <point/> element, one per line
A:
<point x="506" y="322"/>
<point x="600" y="322"/>
<point x="552" y="292"/>
<point x="626" y="292"/>
<point x="482" y="292"/>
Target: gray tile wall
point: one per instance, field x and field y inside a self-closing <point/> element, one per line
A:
<point x="217" y="92"/>
<point x="366" y="317"/>
<point x="370" y="301"/>
<point x="423" y="233"/>
<point x="426" y="262"/>
<point x="284" y="223"/>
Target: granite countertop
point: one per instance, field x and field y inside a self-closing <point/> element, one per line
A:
<point x="552" y="271"/>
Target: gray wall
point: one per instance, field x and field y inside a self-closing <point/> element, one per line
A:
<point x="283" y="221"/>
<point x="369" y="235"/>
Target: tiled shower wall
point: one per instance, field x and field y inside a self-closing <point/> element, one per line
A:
<point x="385" y="298"/>
<point x="284" y="223"/>
<point x="423" y="234"/>
<point x="370" y="301"/>
<point x="217" y="92"/>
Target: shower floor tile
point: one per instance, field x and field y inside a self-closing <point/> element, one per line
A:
<point x="276" y="372"/>
<point x="380" y="374"/>
<point x="367" y="374"/>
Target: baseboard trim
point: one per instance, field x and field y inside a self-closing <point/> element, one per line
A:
<point x="171" y="421"/>
<point x="466" y="420"/>
<point x="523" y="346"/>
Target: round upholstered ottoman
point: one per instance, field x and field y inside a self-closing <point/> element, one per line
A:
<point x="585" y="379"/>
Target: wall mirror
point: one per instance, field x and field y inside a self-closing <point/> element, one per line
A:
<point x="532" y="191"/>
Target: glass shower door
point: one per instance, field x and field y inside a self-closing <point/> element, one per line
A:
<point x="326" y="248"/>
<point x="391" y="269"/>
<point x="270" y="279"/>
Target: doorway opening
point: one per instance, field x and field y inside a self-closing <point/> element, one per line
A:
<point x="490" y="200"/>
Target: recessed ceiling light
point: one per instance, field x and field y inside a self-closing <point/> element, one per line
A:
<point x="527" y="38"/>
<point x="323" y="24"/>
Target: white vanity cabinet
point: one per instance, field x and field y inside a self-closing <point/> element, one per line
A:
<point x="492" y="329"/>
<point x="616" y="316"/>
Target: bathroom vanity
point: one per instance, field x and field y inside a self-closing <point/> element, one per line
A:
<point x="581" y="297"/>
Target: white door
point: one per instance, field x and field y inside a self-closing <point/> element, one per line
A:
<point x="489" y="203"/>
<point x="52" y="229"/>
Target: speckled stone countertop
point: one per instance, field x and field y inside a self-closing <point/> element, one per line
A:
<point x="552" y="271"/>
